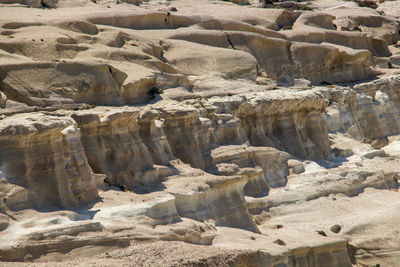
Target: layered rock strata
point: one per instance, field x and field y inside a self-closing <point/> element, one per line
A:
<point x="43" y="163"/>
<point x="199" y="133"/>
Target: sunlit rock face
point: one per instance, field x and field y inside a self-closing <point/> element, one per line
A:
<point x="369" y="110"/>
<point x="196" y="132"/>
<point x="43" y="163"/>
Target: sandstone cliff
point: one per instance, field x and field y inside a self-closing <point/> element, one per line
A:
<point x="199" y="133"/>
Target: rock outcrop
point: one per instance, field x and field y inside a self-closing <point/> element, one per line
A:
<point x="43" y="162"/>
<point x="253" y="131"/>
<point x="369" y="110"/>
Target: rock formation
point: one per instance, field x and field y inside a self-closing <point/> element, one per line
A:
<point x="188" y="133"/>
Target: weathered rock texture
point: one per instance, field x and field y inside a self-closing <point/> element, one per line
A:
<point x="44" y="163"/>
<point x="264" y="133"/>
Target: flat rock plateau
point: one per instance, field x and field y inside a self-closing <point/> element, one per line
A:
<point x="199" y="133"/>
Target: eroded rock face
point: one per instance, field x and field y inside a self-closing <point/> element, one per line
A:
<point x="256" y="131"/>
<point x="282" y="120"/>
<point x="114" y="146"/>
<point x="4" y="222"/>
<point x="31" y="145"/>
<point x="370" y="110"/>
<point x="33" y="3"/>
<point x="3" y="100"/>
